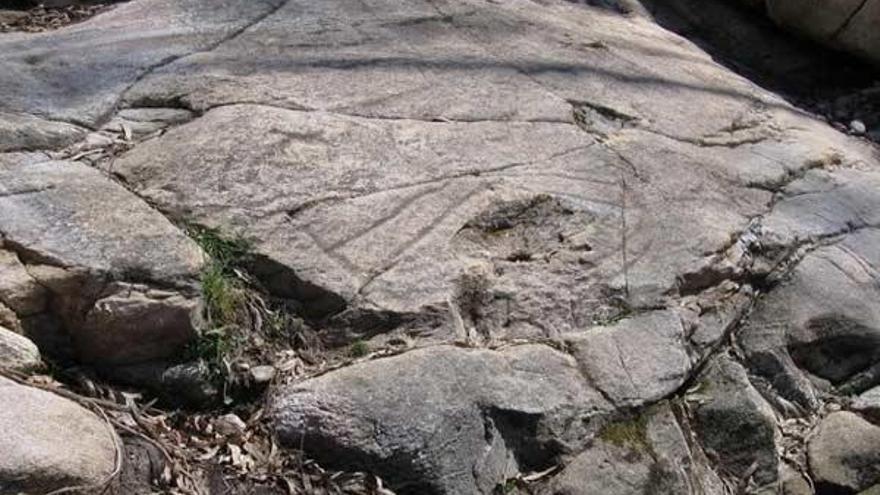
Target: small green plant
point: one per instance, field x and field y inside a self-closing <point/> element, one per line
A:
<point x="225" y="251"/>
<point x="359" y="348"/>
<point x="223" y="293"/>
<point x="223" y="296"/>
<point x="508" y="486"/>
<point x="213" y="344"/>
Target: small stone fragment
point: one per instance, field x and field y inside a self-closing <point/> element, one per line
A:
<point x="18" y="352"/>
<point x="857" y="127"/>
<point x="230" y="425"/>
<point x="262" y="374"/>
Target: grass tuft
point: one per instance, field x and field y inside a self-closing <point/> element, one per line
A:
<point x="359" y="348"/>
<point x="224" y="295"/>
<point x="631" y="433"/>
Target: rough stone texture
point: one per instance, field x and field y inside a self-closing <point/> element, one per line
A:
<point x="583" y="202"/>
<point x="17" y="352"/>
<point x="845" y="453"/>
<point x="822" y="321"/>
<point x="649" y="454"/>
<point x="18" y="290"/>
<point x="53" y="74"/>
<point x="868" y="404"/>
<point x="383" y="217"/>
<point x="735" y="424"/>
<point x="846" y="24"/>
<point x="21" y="132"/>
<point x="480" y="418"/>
<point x="637" y="361"/>
<point x="119" y="275"/>
<point x="49" y="442"/>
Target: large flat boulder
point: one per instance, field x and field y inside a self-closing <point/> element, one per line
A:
<point x="636" y="361"/>
<point x="49" y="443"/>
<point x="121" y="278"/>
<point x="444" y="419"/>
<point x="559" y="213"/>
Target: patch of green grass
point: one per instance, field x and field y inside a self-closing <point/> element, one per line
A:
<point x="358" y="348"/>
<point x="224" y="295"/>
<point x="505" y="488"/>
<point x="212" y="346"/>
<point x="224" y="298"/>
<point x="221" y="288"/>
<point x="630" y="433"/>
<point x="225" y="251"/>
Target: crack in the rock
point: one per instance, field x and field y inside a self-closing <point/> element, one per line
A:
<point x="25" y="192"/>
<point x="174" y="58"/>
<point x="473" y="173"/>
<point x="849" y="19"/>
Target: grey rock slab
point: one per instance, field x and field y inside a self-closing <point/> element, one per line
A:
<point x="843" y="24"/>
<point x="822" y="204"/>
<point x="78" y="73"/>
<point x="21" y="132"/>
<point x="73" y="231"/>
<point x="386" y="213"/>
<point x="735" y="424"/>
<point x="645" y="454"/>
<point x="443" y="419"/>
<point x="389" y="215"/>
<point x="17" y="352"/>
<point x="70" y="215"/>
<point x="868" y="404"/>
<point x="50" y="443"/>
<point x="462" y="60"/>
<point x="19" y="291"/>
<point x="636" y="361"/>
<point x="822" y="321"/>
<point x="844" y="454"/>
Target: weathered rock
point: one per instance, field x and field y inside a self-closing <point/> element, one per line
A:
<point x="845" y="453"/>
<point x="230" y="425"/>
<point x="18" y="352"/>
<point x="868" y="404"/>
<point x="793" y="483"/>
<point x="491" y="174"/>
<point x="822" y="321"/>
<point x="846" y="24"/>
<point x="120" y="276"/>
<point x="647" y="454"/>
<point x="54" y="74"/>
<point x="21" y="132"/>
<point x="262" y="374"/>
<point x="444" y="419"/>
<point x="458" y="171"/>
<point x="9" y="319"/>
<point x="736" y="426"/>
<point x="636" y="361"/>
<point x="50" y="443"/>
<point x="18" y="290"/>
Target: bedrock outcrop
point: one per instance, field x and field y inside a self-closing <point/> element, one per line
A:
<point x="599" y="261"/>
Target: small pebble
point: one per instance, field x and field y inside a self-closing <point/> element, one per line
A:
<point x="857" y="127"/>
<point x="263" y="374"/>
<point x="230" y="425"/>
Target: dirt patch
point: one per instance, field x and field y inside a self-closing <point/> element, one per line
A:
<point x="23" y="17"/>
